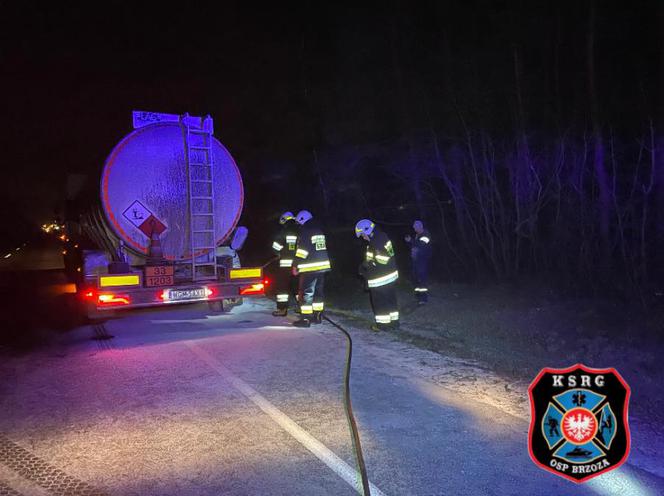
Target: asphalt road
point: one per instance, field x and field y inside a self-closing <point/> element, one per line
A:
<point x="185" y="402"/>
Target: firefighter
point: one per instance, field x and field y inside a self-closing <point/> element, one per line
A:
<point x="380" y="271"/>
<point x="311" y="263"/>
<point x="420" y="255"/>
<point x="284" y="246"/>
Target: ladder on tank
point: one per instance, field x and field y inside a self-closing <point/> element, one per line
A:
<point x="200" y="191"/>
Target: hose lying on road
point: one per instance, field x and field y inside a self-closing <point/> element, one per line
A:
<point x="349" y="410"/>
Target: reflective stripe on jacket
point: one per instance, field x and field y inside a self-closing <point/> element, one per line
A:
<point x="311" y="252"/>
<point x="285" y="244"/>
<point x="420" y="249"/>
<point x="379" y="260"/>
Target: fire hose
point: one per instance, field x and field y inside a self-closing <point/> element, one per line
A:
<point x="349" y="410"/>
<point x="348" y="407"/>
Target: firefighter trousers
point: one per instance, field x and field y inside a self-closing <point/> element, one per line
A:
<point x="421" y="279"/>
<point x="283" y="286"/>
<point x="384" y="304"/>
<point x="312" y="295"/>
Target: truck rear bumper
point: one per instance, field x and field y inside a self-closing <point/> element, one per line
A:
<point x="119" y="298"/>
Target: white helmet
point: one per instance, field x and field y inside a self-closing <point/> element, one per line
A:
<point x="365" y="226"/>
<point x="285" y="217"/>
<point x="303" y="216"/>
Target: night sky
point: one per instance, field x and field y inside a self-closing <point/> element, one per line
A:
<point x="289" y="78"/>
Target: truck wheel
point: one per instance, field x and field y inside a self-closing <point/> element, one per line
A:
<point x="217" y="306"/>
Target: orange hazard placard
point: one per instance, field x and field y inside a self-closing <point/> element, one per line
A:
<point x="159" y="270"/>
<point x="161" y="275"/>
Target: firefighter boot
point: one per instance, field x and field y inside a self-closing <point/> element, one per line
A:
<point x="302" y="322"/>
<point x="318" y="319"/>
<point x="280" y="312"/>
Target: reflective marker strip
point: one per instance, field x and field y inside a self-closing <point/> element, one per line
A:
<point x="300" y="253"/>
<point x="370" y="255"/>
<point x="110" y="281"/>
<point x="318" y="449"/>
<point x="246" y="273"/>
<point x="291" y="239"/>
<point x="282" y="298"/>
<point x="314" y="266"/>
<point x="382" y="259"/>
<point x="383" y="319"/>
<point x="424" y="239"/>
<point x="383" y="280"/>
<point x="421" y="290"/>
<point x="394" y="315"/>
<point x="285" y="262"/>
<point x="318" y="307"/>
<point x="307" y="309"/>
<point x="277" y="246"/>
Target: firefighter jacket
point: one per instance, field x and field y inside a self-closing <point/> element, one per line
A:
<point x="379" y="265"/>
<point x="311" y="253"/>
<point x="285" y="244"/>
<point x="420" y="247"/>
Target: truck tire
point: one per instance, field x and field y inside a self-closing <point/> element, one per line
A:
<point x="225" y="305"/>
<point x="217" y="306"/>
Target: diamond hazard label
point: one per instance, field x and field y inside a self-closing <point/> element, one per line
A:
<point x="152" y="224"/>
<point x="139" y="215"/>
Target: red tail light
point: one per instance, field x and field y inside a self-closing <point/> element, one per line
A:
<point x="110" y="299"/>
<point x="253" y="289"/>
<point x="266" y="281"/>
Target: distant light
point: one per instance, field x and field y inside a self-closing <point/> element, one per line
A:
<point x="64" y="252"/>
<point x="78" y="269"/>
<point x="8" y="255"/>
<point x="18" y="249"/>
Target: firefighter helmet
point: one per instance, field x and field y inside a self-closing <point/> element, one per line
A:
<point x="285" y="217"/>
<point x="303" y="216"/>
<point x="365" y="226"/>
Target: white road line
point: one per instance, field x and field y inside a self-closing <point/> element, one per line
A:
<point x="322" y="452"/>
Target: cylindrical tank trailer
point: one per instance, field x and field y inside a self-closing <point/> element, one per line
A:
<point x="170" y="196"/>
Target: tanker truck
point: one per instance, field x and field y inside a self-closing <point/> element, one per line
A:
<point x="163" y="227"/>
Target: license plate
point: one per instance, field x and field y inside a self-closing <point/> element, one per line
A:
<point x="187" y="294"/>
